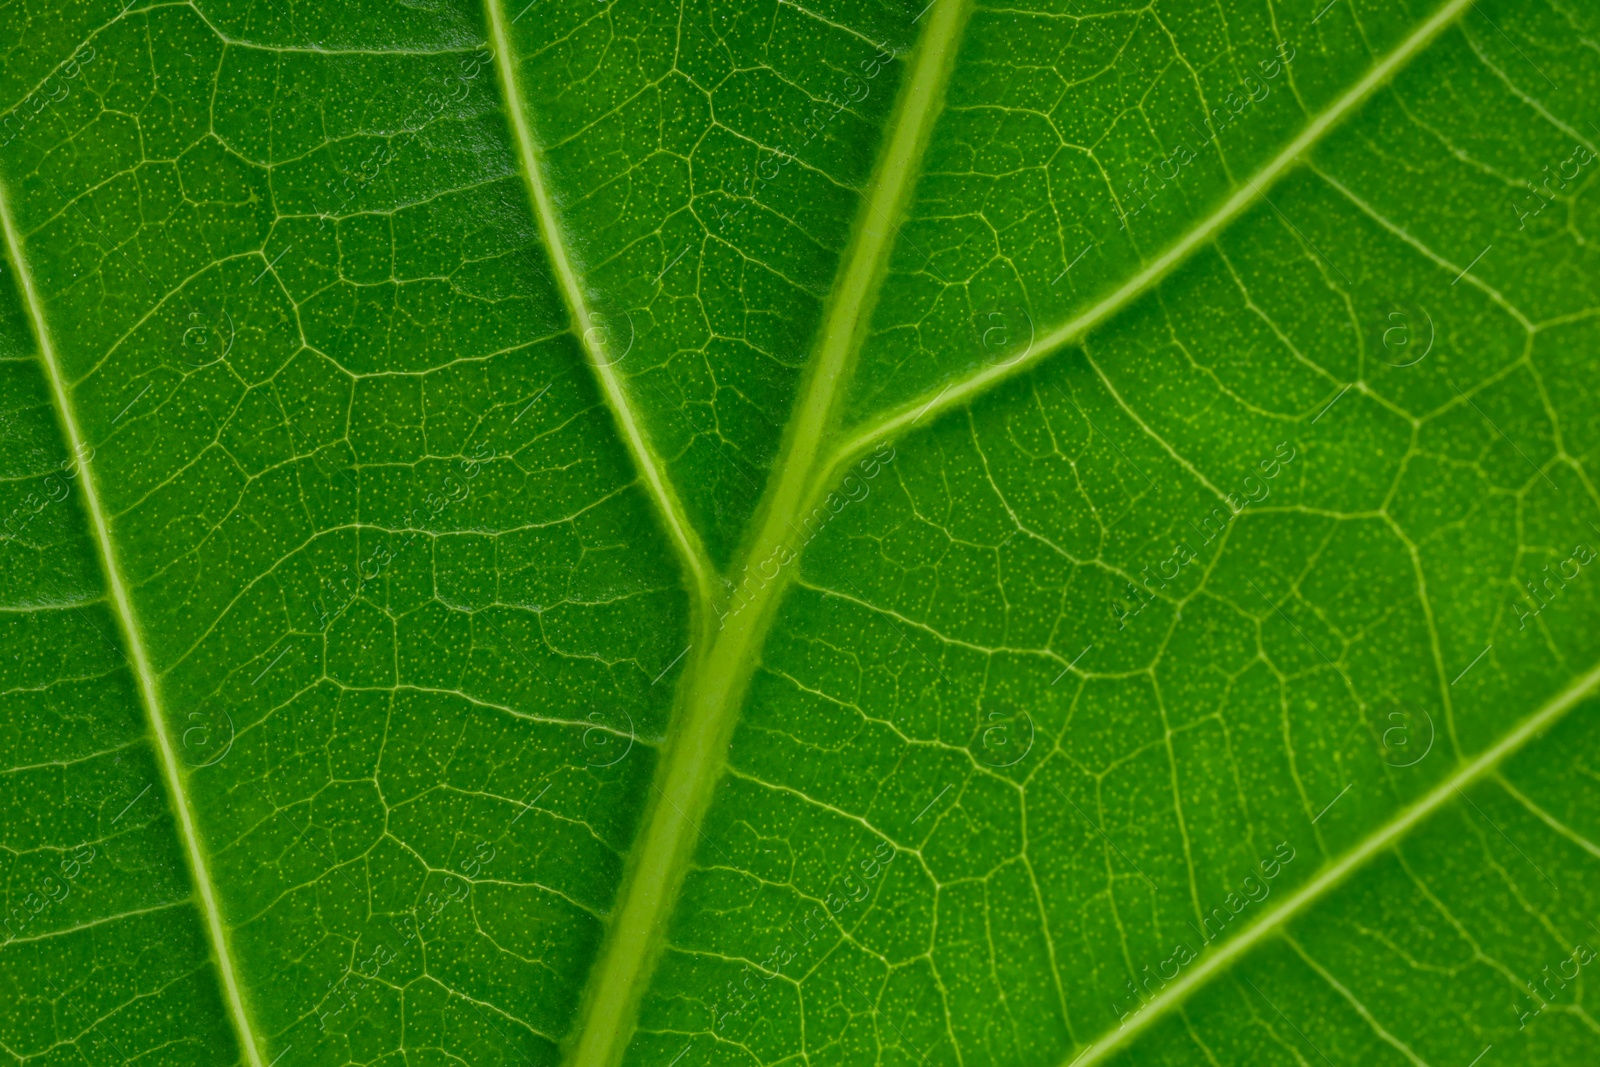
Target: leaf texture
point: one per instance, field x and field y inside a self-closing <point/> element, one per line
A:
<point x="664" y="532"/>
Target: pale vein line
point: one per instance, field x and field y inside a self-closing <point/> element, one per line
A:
<point x="1107" y="837"/>
<point x="683" y="533"/>
<point x="134" y="639"/>
<point x="1286" y="1019"/>
<point x="1109" y="439"/>
<point x="1549" y="820"/>
<point x="1386" y="836"/>
<point x="709" y="705"/>
<point x="1235" y="205"/>
<point x="92" y="924"/>
<point x="1508" y="840"/>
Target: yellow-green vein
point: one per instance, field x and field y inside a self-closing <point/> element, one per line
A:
<point x="149" y="691"/>
<point x="961" y="391"/>
<point x="1330" y="877"/>
<point x="711" y="693"/>
<point x="584" y="323"/>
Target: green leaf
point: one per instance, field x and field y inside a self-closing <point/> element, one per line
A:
<point x="669" y="532"/>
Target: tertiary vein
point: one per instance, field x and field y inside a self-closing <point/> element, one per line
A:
<point x="128" y="623"/>
<point x="1383" y="838"/>
<point x="964" y="390"/>
<point x="710" y="696"/>
<point x="713" y="689"/>
<point x="685" y="539"/>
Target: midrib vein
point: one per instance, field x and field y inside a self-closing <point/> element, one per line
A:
<point x="127" y="622"/>
<point x="933" y="402"/>
<point x="710" y="697"/>
<point x="684" y="537"/>
<point x="1386" y="836"/>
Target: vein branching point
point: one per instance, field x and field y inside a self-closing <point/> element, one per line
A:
<point x="708" y="706"/>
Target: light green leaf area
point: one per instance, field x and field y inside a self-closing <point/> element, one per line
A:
<point x="746" y="532"/>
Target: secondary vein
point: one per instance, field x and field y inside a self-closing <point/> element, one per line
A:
<point x="1387" y="835"/>
<point x="964" y="390"/>
<point x="127" y="622"/>
<point x="710" y="700"/>
<point x="684" y="537"/>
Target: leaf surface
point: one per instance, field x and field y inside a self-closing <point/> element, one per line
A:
<point x="736" y="531"/>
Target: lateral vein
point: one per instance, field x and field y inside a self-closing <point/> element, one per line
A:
<point x="131" y="635"/>
<point x="967" y="389"/>
<point x="1387" y="835"/>
<point x="709" y="701"/>
<point x="684" y="537"/>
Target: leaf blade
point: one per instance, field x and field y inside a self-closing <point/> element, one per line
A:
<point x="128" y="626"/>
<point x="601" y="356"/>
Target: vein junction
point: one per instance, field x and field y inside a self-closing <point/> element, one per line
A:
<point x="422" y="705"/>
<point x="799" y="741"/>
<point x="710" y="697"/>
<point x="603" y="350"/>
